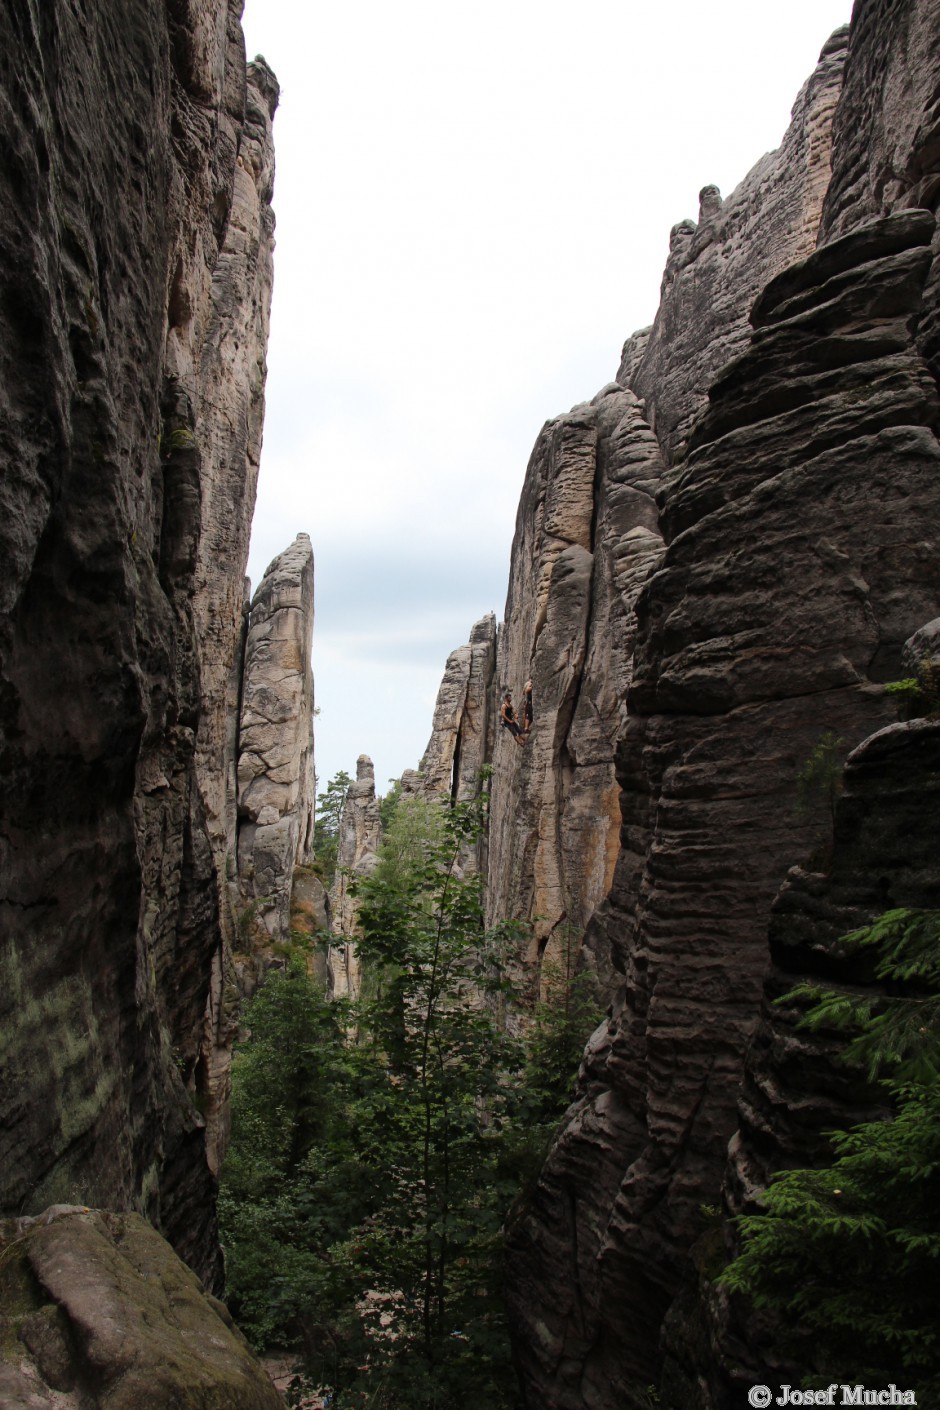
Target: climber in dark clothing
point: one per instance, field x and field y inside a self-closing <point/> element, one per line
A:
<point x="527" y="707"/>
<point x="507" y="718"/>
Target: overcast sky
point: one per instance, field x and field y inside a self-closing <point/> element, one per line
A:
<point x="473" y="210"/>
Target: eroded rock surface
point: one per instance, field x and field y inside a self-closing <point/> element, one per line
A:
<point x="122" y="137"/>
<point x="800" y="522"/>
<point x="360" y="831"/>
<point x="586" y="537"/>
<point x="462" y="731"/>
<point x="718" y="264"/>
<point x="795" y="1087"/>
<point x="100" y="1314"/>
<point x="276" y="784"/>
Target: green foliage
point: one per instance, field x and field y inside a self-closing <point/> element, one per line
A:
<point x="564" y="1019"/>
<point x="918" y="695"/>
<point x="848" y="1256"/>
<point x="326" y="829"/>
<point x="363" y="1197"/>
<point x="389" y="803"/>
<point x="377" y="1148"/>
<point x="898" y="1033"/>
<point x="819" y="780"/>
<point x="290" y="1083"/>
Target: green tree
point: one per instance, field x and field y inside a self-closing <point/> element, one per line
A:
<point x="326" y="831"/>
<point x="564" y="1018"/>
<point x="291" y="1080"/>
<point x="363" y="1197"/>
<point x="437" y="1331"/>
<point x="848" y="1256"/>
<point x="819" y="780"/>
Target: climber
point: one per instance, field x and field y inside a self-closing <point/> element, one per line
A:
<point x="527" y="708"/>
<point x="507" y="718"/>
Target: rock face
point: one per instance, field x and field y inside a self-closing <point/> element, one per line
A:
<point x="135" y="232"/>
<point x="276" y="784"/>
<point x="795" y="1089"/>
<point x="100" y="1314"/>
<point x="360" y="831"/>
<point x="717" y="266"/>
<point x="799" y="515"/>
<point x="462" y="733"/>
<point x="586" y="537"/>
<point x="886" y="155"/>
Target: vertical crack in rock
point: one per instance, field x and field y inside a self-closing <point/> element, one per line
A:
<point x="586" y="537"/>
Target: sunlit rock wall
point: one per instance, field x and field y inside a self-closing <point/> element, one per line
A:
<point x="132" y="253"/>
<point x="586" y="537"/>
<point x="462" y="730"/>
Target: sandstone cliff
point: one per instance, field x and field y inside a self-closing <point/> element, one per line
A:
<point x="276" y="785"/>
<point x="798" y="508"/>
<point x="360" y="831"/>
<point x="795" y="1089"/>
<point x="136" y="232"/>
<point x="586" y="537"/>
<point x="461" y="740"/>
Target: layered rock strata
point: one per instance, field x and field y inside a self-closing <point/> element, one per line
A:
<point x="586" y="538"/>
<point x="360" y="831"/>
<point x="796" y="1088"/>
<point x="125" y="225"/>
<point x="789" y="584"/>
<point x="782" y="602"/>
<point x="276" y="783"/>
<point x="100" y="1314"/>
<point x="717" y="265"/>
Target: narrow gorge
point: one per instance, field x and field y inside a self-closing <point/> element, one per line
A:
<point x="725" y="565"/>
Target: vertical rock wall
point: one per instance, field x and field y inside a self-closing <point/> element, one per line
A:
<point x="276" y="784"/>
<point x="122" y="134"/>
<point x="799" y="513"/>
<point x="586" y="537"/>
<point x="462" y="732"/>
<point x="717" y="266"/>
<point x="360" y="831"/>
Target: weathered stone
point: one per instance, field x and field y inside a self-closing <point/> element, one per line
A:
<point x="886" y="154"/>
<point x="360" y="830"/>
<point x="789" y="585"/>
<point x="585" y="539"/>
<point x="796" y="1089"/>
<point x="276" y="785"/>
<point x="121" y="145"/>
<point x="107" y="1314"/>
<point x="716" y="267"/>
<point x="462" y="732"/>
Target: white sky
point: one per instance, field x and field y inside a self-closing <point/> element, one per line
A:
<point x="473" y="211"/>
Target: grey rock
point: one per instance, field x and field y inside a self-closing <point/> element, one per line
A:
<point x="586" y="538"/>
<point x="276" y="785"/>
<point x="462" y="732"/>
<point x="360" y="831"/>
<point x="789" y="586"/>
<point x="716" y="267"/>
<point x="130" y="267"/>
